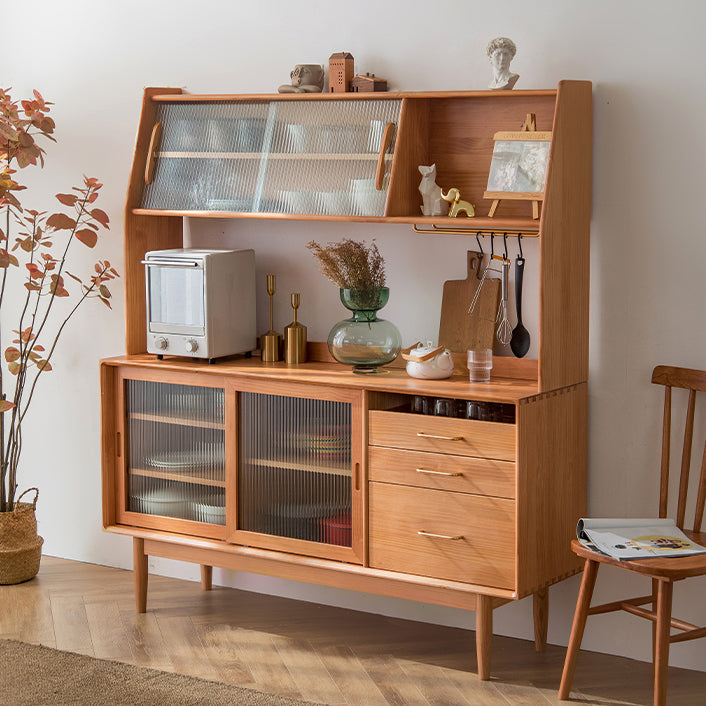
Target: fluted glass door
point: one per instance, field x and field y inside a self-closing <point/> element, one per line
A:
<point x="295" y="468"/>
<point x="175" y="460"/>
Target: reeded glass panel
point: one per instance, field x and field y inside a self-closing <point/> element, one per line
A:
<point x="176" y="462"/>
<point x="295" y="468"/>
<point x="299" y="157"/>
<point x="209" y="156"/>
<point x="323" y="157"/>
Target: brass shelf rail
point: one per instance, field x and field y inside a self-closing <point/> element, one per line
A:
<point x="510" y="232"/>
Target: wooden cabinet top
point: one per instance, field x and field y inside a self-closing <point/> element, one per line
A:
<point x="507" y="390"/>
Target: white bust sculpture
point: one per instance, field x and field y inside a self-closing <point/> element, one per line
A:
<point x="501" y="51"/>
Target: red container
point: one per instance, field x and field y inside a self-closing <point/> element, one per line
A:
<point x="337" y="529"/>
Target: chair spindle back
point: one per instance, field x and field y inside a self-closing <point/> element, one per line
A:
<point x="694" y="381"/>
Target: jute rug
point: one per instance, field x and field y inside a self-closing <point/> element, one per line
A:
<point x="33" y="675"/>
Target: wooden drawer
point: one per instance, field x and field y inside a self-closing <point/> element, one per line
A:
<point x="477" y="543"/>
<point x="462" y="474"/>
<point x="465" y="437"/>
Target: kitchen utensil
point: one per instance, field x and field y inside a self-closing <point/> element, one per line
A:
<point x="504" y="328"/>
<point x="458" y="331"/>
<point x="520" y="340"/>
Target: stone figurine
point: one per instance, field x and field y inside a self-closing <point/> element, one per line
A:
<point x="306" y="78"/>
<point x="432" y="203"/>
<point x="501" y="52"/>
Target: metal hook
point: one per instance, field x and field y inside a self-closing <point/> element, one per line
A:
<point x="519" y="242"/>
<point x="504" y="246"/>
<point x="480" y="247"/>
<point x="492" y="245"/>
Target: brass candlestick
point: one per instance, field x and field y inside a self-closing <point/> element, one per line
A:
<point x="270" y="341"/>
<point x="295" y="337"/>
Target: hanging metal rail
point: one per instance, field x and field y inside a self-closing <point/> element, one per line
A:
<point x="511" y="232"/>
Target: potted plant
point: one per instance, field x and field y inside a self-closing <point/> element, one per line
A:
<point x="34" y="256"/>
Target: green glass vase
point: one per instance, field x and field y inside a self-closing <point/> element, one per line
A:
<point x="364" y="341"/>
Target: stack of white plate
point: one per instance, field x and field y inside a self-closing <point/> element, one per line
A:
<point x="165" y="501"/>
<point x="210" y="508"/>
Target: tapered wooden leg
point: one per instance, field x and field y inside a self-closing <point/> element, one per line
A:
<point x="664" y="618"/>
<point x="206" y="575"/>
<point x="484" y="635"/>
<point x="590" y="571"/>
<point x="655" y="592"/>
<point x="541" y="618"/>
<point x="139" y="569"/>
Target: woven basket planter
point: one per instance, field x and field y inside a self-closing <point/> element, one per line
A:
<point x="20" y="546"/>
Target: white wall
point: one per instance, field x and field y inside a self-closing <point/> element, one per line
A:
<point x="647" y="286"/>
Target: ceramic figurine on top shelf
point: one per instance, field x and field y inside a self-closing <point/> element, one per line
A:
<point x="306" y="78"/>
<point x="501" y="52"/>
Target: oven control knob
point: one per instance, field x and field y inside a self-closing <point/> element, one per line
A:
<point x="191" y="345"/>
<point x="160" y="343"/>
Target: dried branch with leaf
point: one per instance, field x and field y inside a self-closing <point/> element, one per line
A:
<point x="351" y="264"/>
<point x="40" y="278"/>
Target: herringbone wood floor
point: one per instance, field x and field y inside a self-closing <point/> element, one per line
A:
<point x="304" y="650"/>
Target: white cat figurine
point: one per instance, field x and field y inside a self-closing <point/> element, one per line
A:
<point x="432" y="203"/>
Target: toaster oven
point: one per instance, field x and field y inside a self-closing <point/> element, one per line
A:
<point x="200" y="303"/>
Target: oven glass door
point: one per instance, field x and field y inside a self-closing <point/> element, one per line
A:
<point x="176" y="296"/>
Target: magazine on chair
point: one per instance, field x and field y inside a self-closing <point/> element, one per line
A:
<point x="626" y="539"/>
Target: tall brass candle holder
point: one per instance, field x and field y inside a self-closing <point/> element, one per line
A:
<point x="270" y="341"/>
<point x="295" y="337"/>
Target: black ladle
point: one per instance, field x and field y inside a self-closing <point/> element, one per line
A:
<point x="520" y="339"/>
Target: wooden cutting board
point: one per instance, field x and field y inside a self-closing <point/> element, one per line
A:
<point x="460" y="331"/>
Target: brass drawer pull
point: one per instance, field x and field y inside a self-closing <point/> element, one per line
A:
<point x="437" y="473"/>
<point x="434" y="436"/>
<point x="439" y="536"/>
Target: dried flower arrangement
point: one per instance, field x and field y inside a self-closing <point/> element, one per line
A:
<point x="351" y="264"/>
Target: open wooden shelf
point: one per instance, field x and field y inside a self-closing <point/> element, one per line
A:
<point x="171" y="419"/>
<point x="190" y="476"/>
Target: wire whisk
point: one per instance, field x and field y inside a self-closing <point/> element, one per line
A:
<point x="504" y="333"/>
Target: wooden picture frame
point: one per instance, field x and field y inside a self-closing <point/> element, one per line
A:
<point x="518" y="169"/>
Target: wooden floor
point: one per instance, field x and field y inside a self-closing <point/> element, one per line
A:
<point x="304" y="650"/>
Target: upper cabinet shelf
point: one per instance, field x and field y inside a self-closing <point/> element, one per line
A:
<point x="356" y="157"/>
<point x="331" y="156"/>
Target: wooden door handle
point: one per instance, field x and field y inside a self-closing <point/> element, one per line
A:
<point x="151" y="165"/>
<point x="384" y="144"/>
<point x="455" y="538"/>
<point x="435" y="436"/>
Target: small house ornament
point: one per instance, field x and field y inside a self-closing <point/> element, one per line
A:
<point x="368" y="83"/>
<point x="340" y="72"/>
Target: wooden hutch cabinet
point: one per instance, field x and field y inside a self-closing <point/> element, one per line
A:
<point x="312" y="473"/>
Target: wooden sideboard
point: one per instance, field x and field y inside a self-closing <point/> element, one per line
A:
<point x="310" y="472"/>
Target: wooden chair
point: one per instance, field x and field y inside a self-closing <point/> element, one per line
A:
<point x="663" y="572"/>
